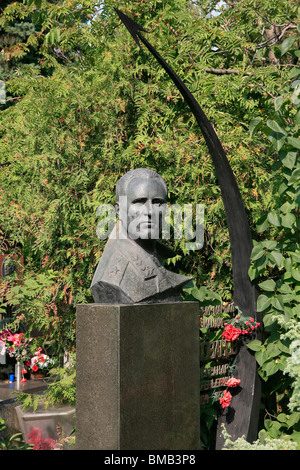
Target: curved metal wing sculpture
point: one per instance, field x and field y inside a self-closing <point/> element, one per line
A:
<point x="245" y="295"/>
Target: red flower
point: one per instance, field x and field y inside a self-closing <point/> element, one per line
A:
<point x="233" y="382"/>
<point x="35" y="368"/>
<point x="225" y="400"/>
<point x="231" y="333"/>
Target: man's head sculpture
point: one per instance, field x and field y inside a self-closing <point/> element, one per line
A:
<point x="141" y="196"/>
<point x="130" y="269"/>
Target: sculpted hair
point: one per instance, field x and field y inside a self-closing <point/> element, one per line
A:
<point x="121" y="188"/>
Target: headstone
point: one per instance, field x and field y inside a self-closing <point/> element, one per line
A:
<point x="138" y="376"/>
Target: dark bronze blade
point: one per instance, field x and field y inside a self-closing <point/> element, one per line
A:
<point x="238" y="226"/>
<point x="245" y="293"/>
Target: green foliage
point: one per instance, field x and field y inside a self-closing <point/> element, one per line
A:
<point x="263" y="443"/>
<point x="203" y="295"/>
<point x="92" y="105"/>
<point x="61" y="389"/>
<point x="14" y="442"/>
<point x="275" y="264"/>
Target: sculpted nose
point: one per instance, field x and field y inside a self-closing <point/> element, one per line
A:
<point x="148" y="209"/>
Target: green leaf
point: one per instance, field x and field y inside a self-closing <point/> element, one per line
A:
<point x="276" y="127"/>
<point x="269" y="244"/>
<point x="262" y="224"/>
<point x="263" y="302"/>
<point x="268" y="285"/>
<point x="293" y="419"/>
<point x="277" y="302"/>
<point x="274" y="218"/>
<point x="283" y="347"/>
<point x="254" y="345"/>
<point x="276" y="257"/>
<point x="287" y="45"/>
<point x="294" y="142"/>
<point x="289" y="160"/>
<point x="277" y="139"/>
<point x="288" y="220"/>
<point x="285" y="289"/>
<point x="295" y="177"/>
<point x="268" y="319"/>
<point x="254" y="125"/>
<point x="261" y="356"/>
<point x="296" y="274"/>
<point x="253" y="272"/>
<point x="278" y="102"/>
<point x="287" y="207"/>
<point x="272" y="350"/>
<point x="199" y="294"/>
<point x="257" y="252"/>
<point x="273" y="428"/>
<point x="270" y="367"/>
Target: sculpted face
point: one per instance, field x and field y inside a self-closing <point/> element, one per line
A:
<point x="145" y="208"/>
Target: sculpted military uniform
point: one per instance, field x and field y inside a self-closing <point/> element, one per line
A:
<point x="127" y="273"/>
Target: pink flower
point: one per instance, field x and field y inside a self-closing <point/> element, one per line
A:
<point x="251" y="319"/>
<point x="233" y="382"/>
<point x="225" y="400"/>
<point x="40" y="443"/>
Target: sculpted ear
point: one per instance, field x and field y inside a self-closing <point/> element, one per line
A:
<point x="117" y="209"/>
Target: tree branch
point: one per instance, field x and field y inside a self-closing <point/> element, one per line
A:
<point x="222" y="71"/>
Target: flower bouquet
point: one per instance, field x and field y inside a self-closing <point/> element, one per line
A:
<point x="17" y="346"/>
<point x="238" y="327"/>
<point x="39" y="364"/>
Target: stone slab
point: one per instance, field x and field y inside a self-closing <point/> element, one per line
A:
<point x="11" y="390"/>
<point x="138" y="377"/>
<point x="48" y="420"/>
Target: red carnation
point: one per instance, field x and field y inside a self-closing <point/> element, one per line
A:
<point x="233" y="382"/>
<point x="231" y="333"/>
<point x="225" y="400"/>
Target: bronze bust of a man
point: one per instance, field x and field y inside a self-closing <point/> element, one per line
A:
<point x="130" y="269"/>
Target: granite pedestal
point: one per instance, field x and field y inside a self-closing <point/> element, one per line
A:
<point x="138" y="377"/>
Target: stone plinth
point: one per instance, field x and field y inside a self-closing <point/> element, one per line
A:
<point x="138" y="377"/>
